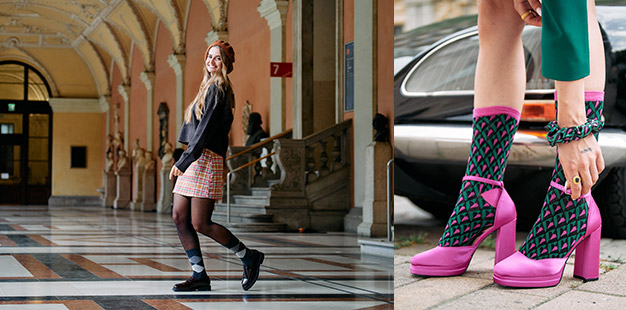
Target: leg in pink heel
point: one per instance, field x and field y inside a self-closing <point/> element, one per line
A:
<point x="564" y="225"/>
<point x="483" y="205"/>
<point x="587" y="259"/>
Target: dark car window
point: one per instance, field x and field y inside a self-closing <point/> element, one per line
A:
<point x="450" y="67"/>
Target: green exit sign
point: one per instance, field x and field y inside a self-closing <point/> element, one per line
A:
<point x="11" y="107"/>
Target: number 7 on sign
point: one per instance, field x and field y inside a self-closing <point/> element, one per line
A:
<point x="281" y="69"/>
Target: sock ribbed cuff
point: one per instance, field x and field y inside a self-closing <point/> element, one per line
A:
<point x="498" y="109"/>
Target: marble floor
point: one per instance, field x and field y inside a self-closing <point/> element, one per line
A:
<point x="98" y="258"/>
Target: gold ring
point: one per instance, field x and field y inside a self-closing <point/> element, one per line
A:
<point x="576" y="180"/>
<point x="526" y="14"/>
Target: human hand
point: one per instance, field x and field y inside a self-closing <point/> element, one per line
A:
<point x="531" y="6"/>
<point x="581" y="158"/>
<point x="175" y="172"/>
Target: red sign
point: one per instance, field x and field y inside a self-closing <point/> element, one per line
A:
<point x="281" y="69"/>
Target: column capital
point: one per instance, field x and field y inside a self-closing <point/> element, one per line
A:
<point x="104" y="102"/>
<point x="213" y="35"/>
<point x="177" y="62"/>
<point x="124" y="90"/>
<point x="274" y="11"/>
<point x="147" y="77"/>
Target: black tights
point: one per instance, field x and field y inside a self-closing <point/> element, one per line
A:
<point x="193" y="215"/>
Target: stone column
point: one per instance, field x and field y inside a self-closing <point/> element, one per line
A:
<point x="177" y="62"/>
<point x="364" y="101"/>
<point x="149" y="185"/>
<point x="375" y="203"/>
<point x="109" y="181"/>
<point x="303" y="111"/>
<point x="147" y="77"/>
<point x="122" y="201"/>
<point x="275" y="12"/>
<point x="124" y="90"/>
<point x="105" y="102"/>
<point x="164" y="205"/>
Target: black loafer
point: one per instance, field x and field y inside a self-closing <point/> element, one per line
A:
<point x="192" y="284"/>
<point x="251" y="273"/>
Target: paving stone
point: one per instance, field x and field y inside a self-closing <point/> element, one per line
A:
<point x="433" y="291"/>
<point x="402" y="274"/>
<point x="493" y="299"/>
<point x="576" y="300"/>
<point x="613" y="250"/>
<point x="611" y="282"/>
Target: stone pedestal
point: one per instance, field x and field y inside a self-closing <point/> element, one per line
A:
<point x="109" y="181"/>
<point x="375" y="203"/>
<point x="137" y="189"/>
<point x="164" y="205"/>
<point x="149" y="187"/>
<point x="122" y="200"/>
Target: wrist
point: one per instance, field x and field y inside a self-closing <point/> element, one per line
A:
<point x="571" y="119"/>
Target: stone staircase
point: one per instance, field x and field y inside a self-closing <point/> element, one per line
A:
<point x="304" y="183"/>
<point x="248" y="213"/>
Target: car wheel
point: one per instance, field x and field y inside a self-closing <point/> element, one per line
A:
<point x="611" y="198"/>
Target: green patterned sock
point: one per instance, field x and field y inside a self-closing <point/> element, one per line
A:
<point x="493" y="131"/>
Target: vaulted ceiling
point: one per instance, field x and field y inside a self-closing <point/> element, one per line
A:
<point x="74" y="42"/>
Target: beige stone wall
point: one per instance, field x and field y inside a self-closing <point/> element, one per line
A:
<point x="76" y="129"/>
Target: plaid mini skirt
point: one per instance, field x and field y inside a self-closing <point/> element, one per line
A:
<point x="204" y="178"/>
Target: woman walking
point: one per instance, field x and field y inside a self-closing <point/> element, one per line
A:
<point x="572" y="55"/>
<point x="200" y="171"/>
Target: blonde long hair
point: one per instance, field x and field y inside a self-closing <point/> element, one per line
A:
<point x="222" y="82"/>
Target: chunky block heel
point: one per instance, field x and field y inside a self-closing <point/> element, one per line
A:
<point x="505" y="241"/>
<point x="587" y="259"/>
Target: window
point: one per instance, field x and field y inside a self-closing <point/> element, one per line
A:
<point x="21" y="82"/>
<point x="451" y="67"/>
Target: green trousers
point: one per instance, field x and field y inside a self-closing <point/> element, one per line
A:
<point x="564" y="40"/>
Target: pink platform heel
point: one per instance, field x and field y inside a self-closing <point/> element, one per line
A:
<point x="520" y="271"/>
<point x="452" y="261"/>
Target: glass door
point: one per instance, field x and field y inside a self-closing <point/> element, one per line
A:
<point x="25" y="135"/>
<point x="11" y="138"/>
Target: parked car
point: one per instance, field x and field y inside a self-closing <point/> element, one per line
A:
<point x="433" y="119"/>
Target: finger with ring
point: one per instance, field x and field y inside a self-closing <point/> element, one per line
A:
<point x="526" y="14"/>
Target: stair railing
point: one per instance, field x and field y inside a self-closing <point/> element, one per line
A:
<point x="254" y="147"/>
<point x="228" y="182"/>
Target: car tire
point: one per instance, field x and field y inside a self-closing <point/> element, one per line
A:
<point x="611" y="199"/>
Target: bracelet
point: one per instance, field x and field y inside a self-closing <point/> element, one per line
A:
<point x="568" y="134"/>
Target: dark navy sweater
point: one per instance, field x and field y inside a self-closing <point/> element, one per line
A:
<point x="209" y="132"/>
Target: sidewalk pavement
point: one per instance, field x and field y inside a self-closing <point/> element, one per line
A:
<point x="475" y="289"/>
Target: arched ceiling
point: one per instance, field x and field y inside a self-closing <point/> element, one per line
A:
<point x="99" y="32"/>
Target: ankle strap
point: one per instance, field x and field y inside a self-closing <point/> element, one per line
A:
<point x="483" y="180"/>
<point x="567" y="191"/>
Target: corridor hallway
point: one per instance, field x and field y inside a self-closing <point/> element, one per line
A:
<point x="97" y="258"/>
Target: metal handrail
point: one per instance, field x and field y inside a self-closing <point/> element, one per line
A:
<point x="389" y="199"/>
<point x="262" y="143"/>
<point x="228" y="182"/>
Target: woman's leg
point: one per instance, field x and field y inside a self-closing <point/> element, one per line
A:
<point x="565" y="222"/>
<point x="181" y="214"/>
<point x="202" y="211"/>
<point x="500" y="72"/>
<point x="499" y="88"/>
<point x="499" y="93"/>
<point x="583" y="97"/>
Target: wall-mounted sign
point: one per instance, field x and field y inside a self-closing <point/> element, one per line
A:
<point x="281" y="69"/>
<point x="349" y="77"/>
